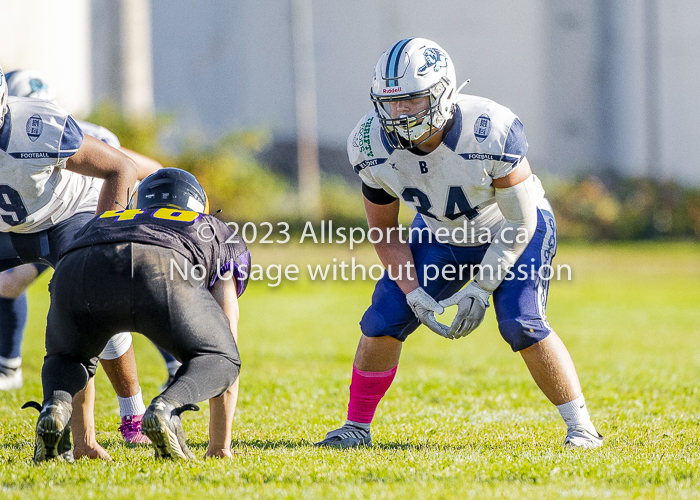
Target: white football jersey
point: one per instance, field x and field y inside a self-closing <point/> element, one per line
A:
<point x="36" y="191"/>
<point x="100" y="133"/>
<point x="451" y="185"/>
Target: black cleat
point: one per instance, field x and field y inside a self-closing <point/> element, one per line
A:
<point x="161" y="423"/>
<point x="348" y="436"/>
<point x="52" y="430"/>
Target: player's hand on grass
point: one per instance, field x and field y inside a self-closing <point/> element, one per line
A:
<point x="221" y="453"/>
<point x="425" y="307"/>
<point x="472" y="302"/>
<point x="92" y="451"/>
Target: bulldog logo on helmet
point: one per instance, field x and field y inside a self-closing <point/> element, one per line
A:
<point x="433" y="59"/>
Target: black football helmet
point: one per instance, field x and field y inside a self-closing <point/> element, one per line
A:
<point x="173" y="188"/>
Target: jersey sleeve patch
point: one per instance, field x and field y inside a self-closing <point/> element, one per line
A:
<point x="368" y="163"/>
<point x="71" y="140"/>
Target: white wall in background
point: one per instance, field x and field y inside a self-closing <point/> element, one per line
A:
<point x="52" y="37"/>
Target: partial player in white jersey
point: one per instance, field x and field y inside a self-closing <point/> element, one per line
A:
<point x="460" y="162"/>
<point x="14" y="283"/>
<point x="53" y="181"/>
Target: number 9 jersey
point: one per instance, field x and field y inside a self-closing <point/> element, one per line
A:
<point x="36" y="191"/>
<point x="449" y="187"/>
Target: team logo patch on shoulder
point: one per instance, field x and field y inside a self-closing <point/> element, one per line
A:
<point x="482" y="128"/>
<point x="433" y="59"/>
<point x="35" y="126"/>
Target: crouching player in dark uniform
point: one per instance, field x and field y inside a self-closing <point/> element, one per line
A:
<point x="165" y="269"/>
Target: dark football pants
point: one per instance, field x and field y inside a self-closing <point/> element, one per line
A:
<point x="102" y="290"/>
<point x="43" y="247"/>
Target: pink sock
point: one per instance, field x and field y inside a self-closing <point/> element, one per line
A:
<point x="366" y="390"/>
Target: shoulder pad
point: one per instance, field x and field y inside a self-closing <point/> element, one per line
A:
<point x="37" y="130"/>
<point x="483" y="126"/>
<point x="365" y="143"/>
<point x="100" y="133"/>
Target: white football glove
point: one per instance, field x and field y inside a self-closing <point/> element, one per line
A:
<point x="472" y="302"/>
<point x="425" y="307"/>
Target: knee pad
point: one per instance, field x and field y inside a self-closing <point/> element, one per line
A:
<point x="375" y="324"/>
<point x="372" y="323"/>
<point x="521" y="334"/>
<point x="117" y="346"/>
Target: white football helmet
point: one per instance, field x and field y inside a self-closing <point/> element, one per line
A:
<point x="28" y="83"/>
<point x="411" y="68"/>
<point x="3" y="97"/>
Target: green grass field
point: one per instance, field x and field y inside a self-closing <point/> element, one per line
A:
<point x="462" y="420"/>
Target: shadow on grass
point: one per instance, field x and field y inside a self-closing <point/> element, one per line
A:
<point x="397" y="446"/>
<point x="259" y="444"/>
<point x="197" y="446"/>
<point x="269" y="444"/>
<point x="15" y="444"/>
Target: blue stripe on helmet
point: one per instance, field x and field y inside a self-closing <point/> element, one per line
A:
<point x="392" y="64"/>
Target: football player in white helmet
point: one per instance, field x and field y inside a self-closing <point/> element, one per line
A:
<point x="36" y="222"/>
<point x="27" y="83"/>
<point x="13" y="285"/>
<point x="459" y="162"/>
<point x="430" y="93"/>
